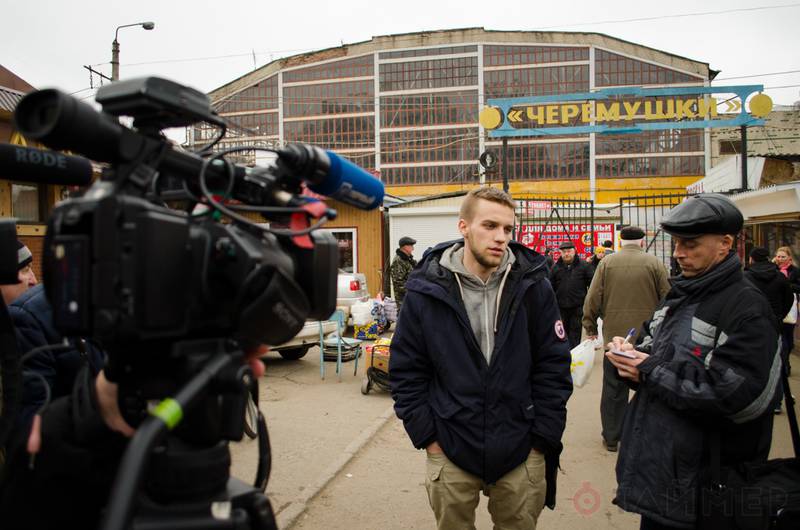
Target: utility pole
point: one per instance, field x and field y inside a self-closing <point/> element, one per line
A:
<point x="505" y="164"/>
<point x="115" y="46"/>
<point x="743" y="130"/>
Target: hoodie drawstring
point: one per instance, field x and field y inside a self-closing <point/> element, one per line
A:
<point x="460" y="287"/>
<point x="499" y="294"/>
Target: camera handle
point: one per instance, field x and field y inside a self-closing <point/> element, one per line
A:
<point x="238" y="506"/>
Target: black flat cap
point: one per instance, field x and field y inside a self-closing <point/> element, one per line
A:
<point x="631" y="232"/>
<point x="565" y="245"/>
<point x="708" y="213"/>
<point x="405" y="240"/>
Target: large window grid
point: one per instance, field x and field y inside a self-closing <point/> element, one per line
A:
<point x="331" y="98"/>
<point x="335" y="133"/>
<point x="452" y="50"/>
<point x="263" y="124"/>
<point x="357" y="67"/>
<point x="542" y="161"/>
<point x="264" y="95"/>
<point x="429" y="109"/>
<point x="509" y="55"/>
<point x="434" y="73"/>
<point x="440" y="145"/>
<point x="661" y="166"/>
<point x="248" y="157"/>
<point x="365" y="159"/>
<point x="536" y="81"/>
<point x="667" y="141"/>
<point x="612" y="70"/>
<point x="455" y="174"/>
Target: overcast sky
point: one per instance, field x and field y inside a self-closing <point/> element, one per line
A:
<point x="206" y="44"/>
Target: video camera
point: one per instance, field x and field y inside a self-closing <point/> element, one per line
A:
<point x="176" y="296"/>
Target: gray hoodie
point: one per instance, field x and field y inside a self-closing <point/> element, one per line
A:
<point x="481" y="300"/>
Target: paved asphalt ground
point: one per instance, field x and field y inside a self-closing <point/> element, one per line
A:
<point x="341" y="460"/>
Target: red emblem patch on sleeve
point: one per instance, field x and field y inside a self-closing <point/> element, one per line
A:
<point x="560" y="333"/>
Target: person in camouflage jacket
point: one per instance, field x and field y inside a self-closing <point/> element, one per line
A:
<point x="401" y="267"/>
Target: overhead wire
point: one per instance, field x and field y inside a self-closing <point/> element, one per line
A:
<point x="402" y="38"/>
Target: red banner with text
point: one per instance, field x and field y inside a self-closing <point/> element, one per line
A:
<point x="539" y="236"/>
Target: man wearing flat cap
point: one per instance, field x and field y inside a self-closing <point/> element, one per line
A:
<point x="705" y="367"/>
<point x="625" y="290"/>
<point x="402" y="265"/>
<point x="571" y="278"/>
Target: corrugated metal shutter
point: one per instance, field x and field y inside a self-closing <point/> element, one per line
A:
<point x="428" y="226"/>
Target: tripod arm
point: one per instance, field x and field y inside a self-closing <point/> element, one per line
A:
<point x="162" y="419"/>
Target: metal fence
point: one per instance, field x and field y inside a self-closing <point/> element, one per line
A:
<point x="646" y="212"/>
<point x="546" y="222"/>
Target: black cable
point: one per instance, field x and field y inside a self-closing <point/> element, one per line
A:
<point x="230" y="211"/>
<point x="223" y="128"/>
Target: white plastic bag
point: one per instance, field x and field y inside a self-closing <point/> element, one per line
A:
<point x="598" y="343"/>
<point x="390" y="307"/>
<point x="791" y="316"/>
<point x="361" y="313"/>
<point x="582" y="362"/>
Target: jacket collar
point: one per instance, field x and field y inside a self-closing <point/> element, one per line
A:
<point x="431" y="278"/>
<point x="725" y="273"/>
<point x="403" y="255"/>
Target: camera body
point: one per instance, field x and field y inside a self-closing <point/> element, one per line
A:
<point x="122" y="269"/>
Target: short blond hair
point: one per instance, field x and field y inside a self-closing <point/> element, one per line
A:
<point x="487" y="193"/>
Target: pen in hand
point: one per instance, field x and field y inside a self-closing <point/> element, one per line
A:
<point x="629" y="336"/>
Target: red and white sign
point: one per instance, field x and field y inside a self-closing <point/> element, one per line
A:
<point x="536" y="207"/>
<point x="539" y="236"/>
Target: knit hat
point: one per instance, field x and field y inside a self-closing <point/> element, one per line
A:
<point x="24" y="255"/>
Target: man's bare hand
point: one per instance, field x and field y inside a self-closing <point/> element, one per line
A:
<point x="107" y="393"/>
<point x="626" y="368"/>
<point x="434" y="449"/>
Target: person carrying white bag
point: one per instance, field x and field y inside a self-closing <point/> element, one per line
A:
<point x="582" y="362"/>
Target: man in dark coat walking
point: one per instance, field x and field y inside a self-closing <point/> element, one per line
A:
<point x="480" y="371"/>
<point x="571" y="278"/>
<point x="708" y="362"/>
<point x="765" y="275"/>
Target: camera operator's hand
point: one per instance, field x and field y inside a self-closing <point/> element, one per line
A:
<point x="107" y="393"/>
<point x="109" y="408"/>
<point x="254" y="359"/>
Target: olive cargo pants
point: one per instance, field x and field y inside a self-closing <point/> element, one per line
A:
<point x="515" y="501"/>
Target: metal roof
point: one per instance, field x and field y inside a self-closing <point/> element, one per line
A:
<point x="9" y="98"/>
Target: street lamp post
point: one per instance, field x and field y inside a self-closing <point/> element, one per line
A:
<point x="115" y="47"/>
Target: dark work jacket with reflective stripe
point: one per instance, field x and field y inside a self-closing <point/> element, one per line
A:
<point x="714" y="365"/>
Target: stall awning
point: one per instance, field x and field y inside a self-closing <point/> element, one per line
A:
<point x="771" y="204"/>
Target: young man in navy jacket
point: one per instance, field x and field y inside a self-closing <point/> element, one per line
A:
<point x="480" y="371"/>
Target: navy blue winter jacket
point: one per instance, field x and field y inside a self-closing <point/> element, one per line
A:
<point x="32" y="317"/>
<point x="486" y="417"/>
